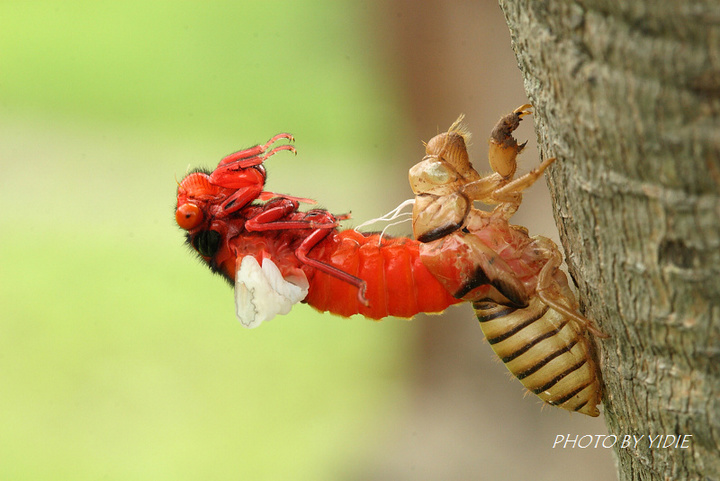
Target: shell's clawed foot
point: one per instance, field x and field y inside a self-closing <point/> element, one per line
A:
<point x="523" y="110"/>
<point x="504" y="148"/>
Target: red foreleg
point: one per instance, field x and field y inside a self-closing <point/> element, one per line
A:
<point x="240" y="198"/>
<point x="243" y="196"/>
<point x="321" y="222"/>
<point x="244" y="168"/>
<point x="250" y="157"/>
<point x="243" y="172"/>
<point x="269" y="219"/>
<point x="238" y="173"/>
<point x="302" y="254"/>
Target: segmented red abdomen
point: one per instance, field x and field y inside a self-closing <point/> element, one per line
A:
<point x="398" y="284"/>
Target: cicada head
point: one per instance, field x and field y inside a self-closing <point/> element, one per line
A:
<point x="451" y="147"/>
<point x="195" y="196"/>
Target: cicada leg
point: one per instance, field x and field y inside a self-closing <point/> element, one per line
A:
<point x="509" y="196"/>
<point x="321" y="222"/>
<point x="504" y="149"/>
<point x="243" y="171"/>
<point x="250" y="157"/>
<point x="493" y="189"/>
<point x="302" y="254"/>
<point x="255" y="181"/>
<point x="549" y="291"/>
<point x="269" y="219"/>
<point x="235" y="171"/>
<point x="509" y="191"/>
<point x="500" y="187"/>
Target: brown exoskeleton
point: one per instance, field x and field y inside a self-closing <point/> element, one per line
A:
<point x="521" y="297"/>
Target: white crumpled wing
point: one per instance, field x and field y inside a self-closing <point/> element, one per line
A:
<point x="261" y="292"/>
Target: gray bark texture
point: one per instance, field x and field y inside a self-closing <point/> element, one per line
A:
<point x="627" y="97"/>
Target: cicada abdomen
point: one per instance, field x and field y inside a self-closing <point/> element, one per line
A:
<point x="397" y="283"/>
<point x="547" y="351"/>
<point x="525" y="307"/>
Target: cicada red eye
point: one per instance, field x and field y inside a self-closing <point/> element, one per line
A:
<point x="188" y="216"/>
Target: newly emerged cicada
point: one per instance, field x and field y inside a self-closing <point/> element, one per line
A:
<point x="276" y="255"/>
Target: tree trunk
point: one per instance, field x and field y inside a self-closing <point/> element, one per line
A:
<point x="627" y="97"/>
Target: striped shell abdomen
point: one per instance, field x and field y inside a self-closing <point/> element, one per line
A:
<point x="546" y="351"/>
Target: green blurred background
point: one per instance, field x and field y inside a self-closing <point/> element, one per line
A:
<point x="120" y="357"/>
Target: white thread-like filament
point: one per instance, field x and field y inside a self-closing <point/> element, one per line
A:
<point x="392" y="215"/>
<point x="396" y="213"/>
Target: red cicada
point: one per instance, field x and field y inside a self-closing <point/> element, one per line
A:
<point x="276" y="255"/>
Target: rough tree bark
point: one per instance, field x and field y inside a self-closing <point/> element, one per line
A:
<point x="627" y="97"/>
